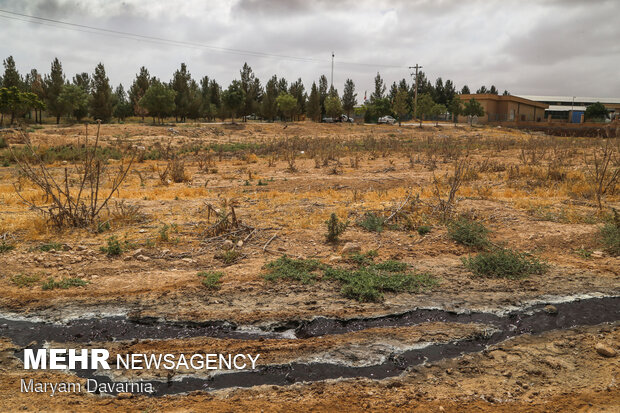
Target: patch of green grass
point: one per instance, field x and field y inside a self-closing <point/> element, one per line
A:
<point x="366" y="258"/>
<point x="6" y="247"/>
<point x="103" y="227"/>
<point x="50" y="246"/>
<point x="366" y="282"/>
<point x="211" y="280"/>
<point x="369" y="283"/>
<point x="22" y="280"/>
<point x="286" y="268"/>
<point x="114" y="247"/>
<point x="504" y="263"/>
<point x="63" y="284"/>
<point x="469" y="233"/>
<point x="424" y="229"/>
<point x="372" y="222"/>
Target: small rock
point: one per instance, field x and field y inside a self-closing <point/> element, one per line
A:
<point x="335" y="258"/>
<point x="188" y="260"/>
<point x="81" y="248"/>
<point x="239" y="244"/>
<point x="550" y="309"/>
<point x="166" y="251"/>
<point x="142" y="231"/>
<point x="350" y="247"/>
<point x="227" y="245"/>
<point x="605" y="350"/>
<point x="124" y="395"/>
<point x="137" y="252"/>
<point x="143" y="258"/>
<point x="597" y="254"/>
<point x="281" y="249"/>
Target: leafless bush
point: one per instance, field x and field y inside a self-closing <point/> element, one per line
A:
<point x="177" y="170"/>
<point x="81" y="206"/>
<point x="445" y="207"/>
<point x="533" y="151"/>
<point x="603" y="170"/>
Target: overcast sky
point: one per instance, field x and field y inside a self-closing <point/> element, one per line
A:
<point x="561" y="47"/>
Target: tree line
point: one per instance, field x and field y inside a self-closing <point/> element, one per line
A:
<point x="184" y="97"/>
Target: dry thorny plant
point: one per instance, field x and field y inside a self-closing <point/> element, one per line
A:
<point x="603" y="169"/>
<point x="445" y="207"/>
<point x="65" y="206"/>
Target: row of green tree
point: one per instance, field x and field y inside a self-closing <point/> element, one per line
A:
<point x="184" y="98"/>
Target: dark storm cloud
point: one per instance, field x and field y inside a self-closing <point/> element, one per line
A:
<point x="554" y="47"/>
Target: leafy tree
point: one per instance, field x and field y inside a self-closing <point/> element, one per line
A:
<point x="439" y="92"/>
<point x="11" y="75"/>
<point x="455" y="107"/>
<point x="269" y="105"/>
<point x="158" y="100"/>
<point x="596" y="111"/>
<point x="180" y="84"/>
<point x="393" y="92"/>
<point x="252" y="90"/>
<point x="83" y="80"/>
<point x="379" y="89"/>
<point x="101" y="103"/>
<point x="465" y="90"/>
<point x="349" y="97"/>
<point x="298" y="91"/>
<point x="493" y="90"/>
<point x="17" y="103"/>
<point x="137" y="90"/>
<point x="121" y="104"/>
<point x="437" y="110"/>
<point x="333" y="106"/>
<point x="53" y="85"/>
<point x="74" y="99"/>
<point x="215" y="93"/>
<point x="449" y="91"/>
<point x="34" y="84"/>
<point x="401" y="105"/>
<point x="314" y="104"/>
<point x="425" y="106"/>
<point x="376" y="109"/>
<point x="194" y="107"/>
<point x="287" y="104"/>
<point x="323" y="86"/>
<point x="233" y="98"/>
<point x="473" y="108"/>
<point x="505" y="93"/>
<point x="483" y="89"/>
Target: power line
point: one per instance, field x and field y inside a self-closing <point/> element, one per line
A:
<point x="160" y="40"/>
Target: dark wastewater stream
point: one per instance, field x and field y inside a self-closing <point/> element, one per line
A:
<point x="531" y="320"/>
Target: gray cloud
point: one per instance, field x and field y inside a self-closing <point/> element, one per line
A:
<point x="555" y="47"/>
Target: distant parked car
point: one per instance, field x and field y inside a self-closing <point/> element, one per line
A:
<point x="345" y="118"/>
<point x="388" y="120"/>
<point x="327" y="120"/>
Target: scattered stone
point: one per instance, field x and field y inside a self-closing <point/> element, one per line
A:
<point x="137" y="252"/>
<point x="188" y="260"/>
<point x="550" y="309"/>
<point x="597" y="254"/>
<point x="239" y="243"/>
<point x="81" y="248"/>
<point x="166" y="251"/>
<point x="121" y="396"/>
<point x="143" y="258"/>
<point x="605" y="350"/>
<point x="350" y="247"/>
<point x="335" y="258"/>
<point x="281" y="249"/>
<point x="142" y="231"/>
<point x="227" y="245"/>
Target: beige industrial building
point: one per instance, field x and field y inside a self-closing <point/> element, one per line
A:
<point x="506" y="108"/>
<point x="572" y="108"/>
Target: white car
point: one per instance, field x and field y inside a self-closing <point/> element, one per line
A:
<point x="388" y="120"/>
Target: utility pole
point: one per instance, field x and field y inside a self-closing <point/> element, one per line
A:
<point x="415" y="91"/>
<point x="331" y="81"/>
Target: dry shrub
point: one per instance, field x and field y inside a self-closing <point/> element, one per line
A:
<point x="66" y="206"/>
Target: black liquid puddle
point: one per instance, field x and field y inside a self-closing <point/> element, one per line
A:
<point x="531" y="320"/>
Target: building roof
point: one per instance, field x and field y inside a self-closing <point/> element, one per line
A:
<point x="512" y="98"/>
<point x="564" y="108"/>
<point x="569" y="99"/>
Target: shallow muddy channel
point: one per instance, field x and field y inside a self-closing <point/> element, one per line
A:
<point x="534" y="319"/>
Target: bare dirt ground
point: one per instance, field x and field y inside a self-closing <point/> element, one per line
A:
<point x="533" y="192"/>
